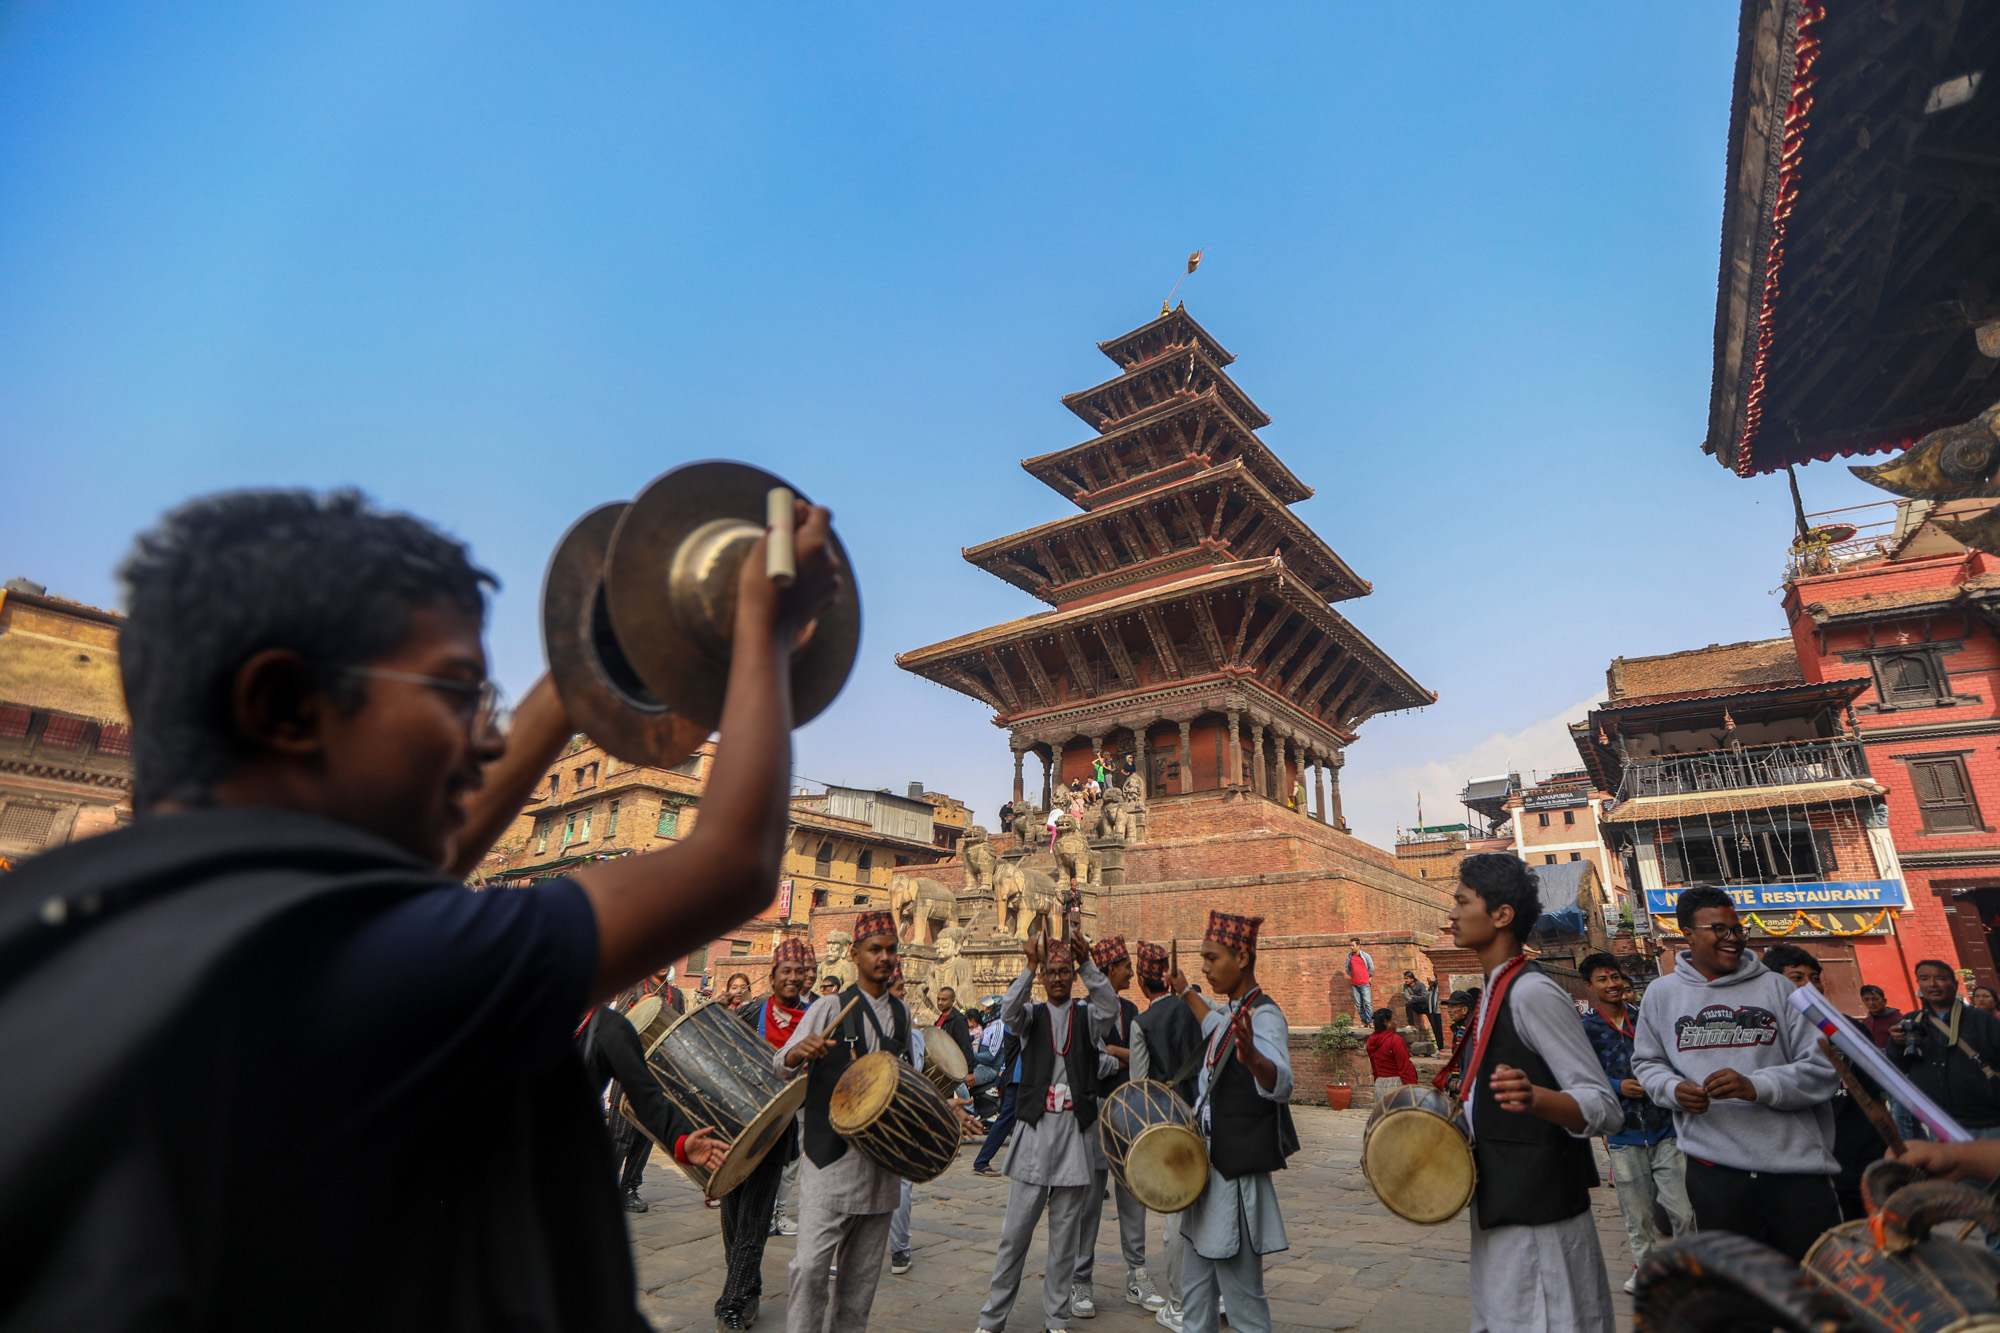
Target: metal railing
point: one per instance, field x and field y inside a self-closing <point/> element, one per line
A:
<point x="1785" y="764"/>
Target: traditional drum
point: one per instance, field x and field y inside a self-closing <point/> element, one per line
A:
<point x="1152" y="1146"/>
<point x="1417" y="1155"/>
<point x="944" y="1063"/>
<point x="651" y="1017"/>
<point x="718" y="1071"/>
<point x="898" y="1120"/>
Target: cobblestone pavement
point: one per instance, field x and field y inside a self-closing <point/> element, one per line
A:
<point x="1351" y="1265"/>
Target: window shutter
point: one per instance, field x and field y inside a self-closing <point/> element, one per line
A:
<point x="1671" y="869"/>
<point x="670" y="821"/>
<point x="1829" y="864"/>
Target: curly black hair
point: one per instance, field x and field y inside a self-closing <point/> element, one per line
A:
<point x="1500" y="881"/>
<point x="227" y="576"/>
<point x="1781" y="956"/>
<point x="1694" y="900"/>
<point x="1592" y="962"/>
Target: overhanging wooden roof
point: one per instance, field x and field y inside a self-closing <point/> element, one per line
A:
<point x="1860" y="231"/>
<point x="1254" y="620"/>
<point x="1162" y="382"/>
<point x="1186" y="438"/>
<point x="1168" y="333"/>
<point x="1217" y="516"/>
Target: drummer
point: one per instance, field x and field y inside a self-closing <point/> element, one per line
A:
<point x="1054" y="1156"/>
<point x="845" y="1199"/>
<point x="793" y="965"/>
<point x="748" y="1209"/>
<point x="1244" y="1082"/>
<point x="1169" y="1037"/>
<point x="1115" y="962"/>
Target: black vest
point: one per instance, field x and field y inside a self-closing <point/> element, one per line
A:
<point x="1122" y="1034"/>
<point x="850" y="1042"/>
<point x="1171" y="1035"/>
<point x="1038" y="1066"/>
<point x="1246" y="1131"/>
<point x="1531" y="1171"/>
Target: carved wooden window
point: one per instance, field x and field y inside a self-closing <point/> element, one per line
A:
<point x="26" y="823"/>
<point x="1909" y="675"/>
<point x="1944" y="794"/>
<point x="542" y="835"/>
<point x="823" y="859"/>
<point x="670" y="821"/>
<point x="611" y="821"/>
<point x="864" y="864"/>
<point x="62" y="733"/>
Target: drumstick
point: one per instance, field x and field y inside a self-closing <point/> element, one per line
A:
<point x="780" y="566"/>
<point x="841" y="1017"/>
<point x="1878" y="1114"/>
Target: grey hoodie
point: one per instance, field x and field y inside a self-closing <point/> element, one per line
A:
<point x="1689" y="1027"/>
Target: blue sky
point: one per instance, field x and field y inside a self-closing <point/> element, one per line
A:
<point x="499" y="263"/>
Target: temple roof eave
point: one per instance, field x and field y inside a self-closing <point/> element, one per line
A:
<point x="1279" y="479"/>
<point x="1082" y="401"/>
<point x="1113" y="347"/>
<point x="995" y="556"/>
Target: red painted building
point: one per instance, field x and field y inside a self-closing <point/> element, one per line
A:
<point x="1915" y="624"/>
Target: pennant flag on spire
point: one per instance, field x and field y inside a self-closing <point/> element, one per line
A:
<point x="1194" y="261"/>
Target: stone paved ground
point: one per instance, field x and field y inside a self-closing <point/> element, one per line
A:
<point x="1352" y="1264"/>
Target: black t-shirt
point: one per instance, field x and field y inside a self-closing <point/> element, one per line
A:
<point x="346" y="1131"/>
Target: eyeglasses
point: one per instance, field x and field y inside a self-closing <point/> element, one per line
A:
<point x="1724" y="931"/>
<point x="479" y="702"/>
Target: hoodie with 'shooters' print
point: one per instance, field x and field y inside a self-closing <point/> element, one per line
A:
<point x="1691" y="1027"/>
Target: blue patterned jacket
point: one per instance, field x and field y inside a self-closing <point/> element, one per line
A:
<point x="1645" y="1123"/>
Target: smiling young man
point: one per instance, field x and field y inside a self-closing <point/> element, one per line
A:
<point x="311" y="1002"/>
<point x="1534" y="1094"/>
<point x="776" y="1016"/>
<point x="1720" y="1042"/>
<point x="1647" y="1169"/>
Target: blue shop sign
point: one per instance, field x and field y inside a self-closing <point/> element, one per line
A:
<point x="1845" y="896"/>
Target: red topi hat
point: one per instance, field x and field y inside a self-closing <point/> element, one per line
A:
<point x="1152" y="961"/>
<point x="874" y="923"/>
<point x="1237" y="932"/>
<point x="793" y="949"/>
<point x="1108" y="951"/>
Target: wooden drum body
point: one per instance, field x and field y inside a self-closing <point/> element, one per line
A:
<point x="1935" y="1286"/>
<point x="718" y="1071"/>
<point x="1417" y="1156"/>
<point x="944" y="1063"/>
<point x="895" y="1117"/>
<point x="1152" y="1146"/>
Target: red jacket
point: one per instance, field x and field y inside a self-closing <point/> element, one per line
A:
<point x="1389" y="1057"/>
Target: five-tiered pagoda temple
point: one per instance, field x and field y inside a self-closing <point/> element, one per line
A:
<point x="1193" y="625"/>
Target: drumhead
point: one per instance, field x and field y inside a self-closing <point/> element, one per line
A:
<point x="758" y="1138"/>
<point x="863" y="1093"/>
<point x="1167" y="1168"/>
<point x="1419" y="1164"/>
<point x="644" y="1012"/>
<point x="942" y="1051"/>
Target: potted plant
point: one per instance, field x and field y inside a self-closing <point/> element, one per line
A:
<point x="1335" y="1043"/>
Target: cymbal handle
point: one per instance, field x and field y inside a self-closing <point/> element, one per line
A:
<point x="780" y="565"/>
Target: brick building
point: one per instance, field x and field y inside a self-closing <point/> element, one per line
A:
<point x="1432" y="851"/>
<point x="65" y="740"/>
<point x="1731" y="768"/>
<point x="1191" y="639"/>
<point x="1912" y="629"/>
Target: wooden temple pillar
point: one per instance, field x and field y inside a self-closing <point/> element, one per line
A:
<point x="1233" y="774"/>
<point x="1187" y="758"/>
<point x="1047" y="755"/>
<point x="1257" y="774"/>
<point x="1339" y="820"/>
<point x="1020" y="791"/>
<point x="1319" y="781"/>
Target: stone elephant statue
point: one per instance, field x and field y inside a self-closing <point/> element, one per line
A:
<point x="923" y="907"/>
<point x="1026" y="897"/>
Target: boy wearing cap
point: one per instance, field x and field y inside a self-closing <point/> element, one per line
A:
<point x="1054" y="1158"/>
<point x="845" y="1200"/>
<point x="1116" y="964"/>
<point x="1242" y="1086"/>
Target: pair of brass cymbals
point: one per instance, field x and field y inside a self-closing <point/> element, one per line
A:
<point x="639" y="604"/>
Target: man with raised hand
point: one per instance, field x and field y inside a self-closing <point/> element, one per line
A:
<point x="1721" y="1043"/>
<point x="1121" y="1045"/>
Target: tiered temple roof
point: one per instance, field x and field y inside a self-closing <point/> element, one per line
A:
<point x="1186" y="587"/>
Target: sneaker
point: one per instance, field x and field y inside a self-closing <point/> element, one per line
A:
<point x="899" y="1262"/>
<point x="1139" y="1290"/>
<point x="787" y="1226"/>
<point x="1169" y="1316"/>
<point x="1632" y="1284"/>
<point x="633" y="1203"/>
<point x="1080" y="1303"/>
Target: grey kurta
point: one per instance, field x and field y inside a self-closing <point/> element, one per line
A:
<point x="853" y="1184"/>
<point x="1550" y="1276"/>
<point x="1054" y="1151"/>
<point x="1231" y="1213"/>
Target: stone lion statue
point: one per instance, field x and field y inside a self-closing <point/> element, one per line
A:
<point x="923" y="907"/>
<point x="1026" y="826"/>
<point x="837" y="964"/>
<point x="1112" y="819"/>
<point x="1028" y="897"/>
<point x="1074" y="859"/>
<point x="980" y="862"/>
